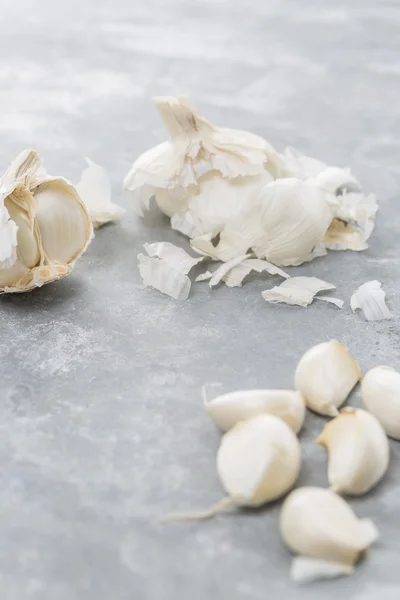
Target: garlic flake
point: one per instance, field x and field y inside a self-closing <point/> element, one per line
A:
<point x="371" y="299"/>
<point x="51" y="223"/>
<point x="299" y="291"/>
<point x="229" y="409"/>
<point x="317" y="523"/>
<point x="325" y="376"/>
<point x="380" y="392"/>
<point x="358" y="451"/>
<point x="258" y="461"/>
<point x="94" y="188"/>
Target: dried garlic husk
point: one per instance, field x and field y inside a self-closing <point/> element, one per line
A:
<point x="258" y="461"/>
<point x="235" y="276"/>
<point x="317" y="523"/>
<point x="54" y="228"/>
<point x="195" y="145"/>
<point x="358" y="451"/>
<point x="94" y="188"/>
<point x="165" y="268"/>
<point x="229" y="409"/>
<point x="325" y="376"/>
<point x="380" y="392"/>
<point x="284" y="222"/>
<point x="370" y="298"/>
<point x="300" y="291"/>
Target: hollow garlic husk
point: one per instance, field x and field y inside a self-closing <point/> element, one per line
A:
<point x="358" y="451"/>
<point x="317" y="523"/>
<point x="195" y="145"/>
<point x="54" y="228"/>
<point x="380" y="392"/>
<point x="258" y="461"/>
<point x="325" y="376"/>
<point x="227" y="410"/>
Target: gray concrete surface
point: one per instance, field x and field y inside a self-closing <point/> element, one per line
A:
<point x="101" y="423"/>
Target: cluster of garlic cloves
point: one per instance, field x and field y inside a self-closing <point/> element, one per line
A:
<point x="47" y="225"/>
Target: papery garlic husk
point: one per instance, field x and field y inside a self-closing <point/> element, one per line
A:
<point x="227" y="410"/>
<point x="258" y="461"/>
<point x="325" y="376"/>
<point x="299" y="291"/>
<point x="195" y="145"/>
<point x="370" y="298"/>
<point x="284" y="222"/>
<point x="94" y="188"/>
<point x="380" y="392"/>
<point x="358" y="451"/>
<point x="315" y="522"/>
<point x="54" y="228"/>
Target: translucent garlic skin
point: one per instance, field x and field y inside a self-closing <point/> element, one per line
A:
<point x="358" y="451"/>
<point x="54" y="227"/>
<point x="380" y="392"/>
<point x="325" y="376"/>
<point x="318" y="523"/>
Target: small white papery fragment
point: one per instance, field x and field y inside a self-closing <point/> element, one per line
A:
<point x="297" y="290"/>
<point x="157" y="273"/>
<point x="370" y="298"/>
<point x="204" y="276"/>
<point x="8" y="238"/>
<point x="235" y="277"/>
<point x="219" y="273"/>
<point x="94" y="189"/>
<point x="336" y="301"/>
<point x="174" y="256"/>
<point x="305" y="569"/>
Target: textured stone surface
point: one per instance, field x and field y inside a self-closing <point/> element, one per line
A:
<point x="101" y="423"/>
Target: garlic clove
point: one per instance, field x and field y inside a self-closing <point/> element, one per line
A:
<point x="94" y="189"/>
<point x="258" y="460"/>
<point x="325" y="376"/>
<point x="227" y="410"/>
<point x="317" y="523"/>
<point x="358" y="451"/>
<point x="64" y="224"/>
<point x="28" y="246"/>
<point x="8" y="237"/>
<point x="10" y="277"/>
<point x="380" y="392"/>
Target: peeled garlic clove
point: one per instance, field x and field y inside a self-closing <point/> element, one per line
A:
<point x="317" y="523"/>
<point x="54" y="227"/>
<point x="227" y="410"/>
<point x="258" y="461"/>
<point x="325" y="376"/>
<point x="358" y="451"/>
<point x="380" y="392"/>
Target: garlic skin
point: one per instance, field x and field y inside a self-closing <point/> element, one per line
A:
<point x="195" y="145"/>
<point x="380" y="392"/>
<point x="358" y="451"/>
<point x="258" y="460"/>
<point x="317" y="523"/>
<point x="54" y="228"/>
<point x="229" y="409"/>
<point x="325" y="376"/>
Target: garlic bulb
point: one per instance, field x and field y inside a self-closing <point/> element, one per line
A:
<point x="258" y="461"/>
<point x="358" y="451"/>
<point x="325" y="376"/>
<point x="195" y="146"/>
<point x="229" y="409"/>
<point x="317" y="523"/>
<point x="52" y="223"/>
<point x="380" y="392"/>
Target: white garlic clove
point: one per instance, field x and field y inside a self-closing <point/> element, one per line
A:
<point x="10" y="277"/>
<point x="63" y="222"/>
<point x="358" y="451"/>
<point x="318" y="523"/>
<point x="8" y="237"/>
<point x="258" y="461"/>
<point x="325" y="376"/>
<point x="380" y="392"/>
<point x="227" y="410"/>
<point x="28" y="247"/>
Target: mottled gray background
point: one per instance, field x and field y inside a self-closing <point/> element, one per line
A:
<point x="101" y="423"/>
